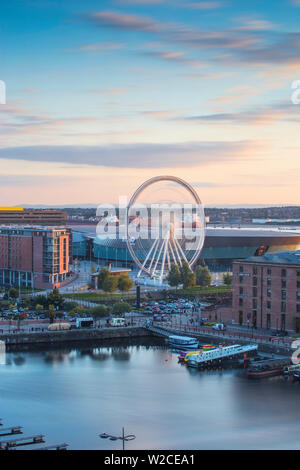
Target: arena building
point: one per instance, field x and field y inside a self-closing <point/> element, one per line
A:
<point x="222" y="245"/>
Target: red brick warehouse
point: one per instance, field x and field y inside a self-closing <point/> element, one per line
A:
<point x="266" y="291"/>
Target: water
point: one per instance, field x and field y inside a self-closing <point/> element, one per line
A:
<point x="72" y="395"/>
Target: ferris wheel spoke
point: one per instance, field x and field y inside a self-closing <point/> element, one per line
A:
<point x="176" y="250"/>
<point x="172" y="252"/>
<point x="158" y="257"/>
<point x="181" y="250"/>
<point x="147" y="257"/>
<point x="153" y="257"/>
<point x="164" y="259"/>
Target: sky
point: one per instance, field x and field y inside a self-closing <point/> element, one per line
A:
<point x="102" y="95"/>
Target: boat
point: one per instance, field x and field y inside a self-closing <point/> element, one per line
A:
<point x="183" y="342"/>
<point x="269" y="368"/>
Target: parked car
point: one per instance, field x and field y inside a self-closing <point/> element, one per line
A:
<point x="279" y="333"/>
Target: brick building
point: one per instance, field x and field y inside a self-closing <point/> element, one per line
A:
<point x="34" y="256"/>
<point x="19" y="215"/>
<point x="266" y="291"/>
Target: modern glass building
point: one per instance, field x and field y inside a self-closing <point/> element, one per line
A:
<point x="222" y="245"/>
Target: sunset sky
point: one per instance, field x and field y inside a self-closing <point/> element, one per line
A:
<point x="102" y="95"/>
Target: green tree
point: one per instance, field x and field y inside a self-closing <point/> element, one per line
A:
<point x="203" y="276"/>
<point x="40" y="300"/>
<point x="55" y="298"/>
<point x="227" y="279"/>
<point x="51" y="313"/>
<point x="121" y="307"/>
<point x="174" y="277"/>
<point x="99" y="312"/>
<point x="110" y="284"/>
<point x="103" y="275"/>
<point x="26" y="302"/>
<point x="13" y="293"/>
<point x="188" y="278"/>
<point x="124" y="283"/>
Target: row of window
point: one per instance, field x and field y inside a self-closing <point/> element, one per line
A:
<point x="269" y="271"/>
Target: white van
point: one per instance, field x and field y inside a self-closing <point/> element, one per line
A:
<point x="117" y="322"/>
<point x="219" y="326"/>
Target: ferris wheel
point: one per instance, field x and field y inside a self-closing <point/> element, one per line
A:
<point x="165" y="226"/>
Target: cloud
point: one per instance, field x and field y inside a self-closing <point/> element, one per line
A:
<point x="204" y="5"/>
<point x="138" y="155"/>
<point x="100" y="46"/>
<point x="253" y="24"/>
<point x="175" y="57"/>
<point x="140" y="2"/>
<point x="264" y="115"/>
<point x="117" y="20"/>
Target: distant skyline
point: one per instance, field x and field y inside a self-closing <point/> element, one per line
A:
<point x="104" y="95"/>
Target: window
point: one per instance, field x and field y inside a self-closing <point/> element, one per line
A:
<point x="298" y="284"/>
<point x="269" y="282"/>
<point x="240" y="302"/>
<point x="269" y="293"/>
<point x="254" y="270"/>
<point x="298" y="295"/>
<point x="283" y="294"/>
<point x="283" y="284"/>
<point x="283" y="272"/>
<point x="269" y="271"/>
<point x="241" y="269"/>
<point x="298" y="273"/>
<point x="254" y="291"/>
<point x="269" y="304"/>
<point x="298" y="308"/>
<point x="255" y="281"/>
<point x="241" y="279"/>
<point x="283" y="307"/>
<point x="241" y="291"/>
<point x="254" y="303"/>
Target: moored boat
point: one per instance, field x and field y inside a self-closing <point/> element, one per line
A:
<point x="269" y="368"/>
<point x="183" y="342"/>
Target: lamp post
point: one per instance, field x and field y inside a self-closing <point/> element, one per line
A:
<point x="123" y="438"/>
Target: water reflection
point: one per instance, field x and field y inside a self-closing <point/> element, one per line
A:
<point x="74" y="393"/>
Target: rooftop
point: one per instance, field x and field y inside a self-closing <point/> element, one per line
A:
<point x="280" y="257"/>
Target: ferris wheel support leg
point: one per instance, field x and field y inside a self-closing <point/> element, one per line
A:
<point x="153" y="257"/>
<point x="168" y="258"/>
<point x="164" y="260"/>
<point x="172" y="252"/>
<point x="176" y="249"/>
<point x="147" y="257"/>
<point x="158" y="257"/>
<point x="181" y="251"/>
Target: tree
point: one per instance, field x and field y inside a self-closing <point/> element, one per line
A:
<point x="121" y="307"/>
<point x="188" y="278"/>
<point x="110" y="284"/>
<point x="203" y="276"/>
<point x="227" y="279"/>
<point x="13" y="293"/>
<point x="124" y="283"/>
<point x="103" y="275"/>
<point x="26" y="302"/>
<point x="55" y="298"/>
<point x="40" y="300"/>
<point x="99" y="312"/>
<point x="51" y="313"/>
<point x="173" y="276"/>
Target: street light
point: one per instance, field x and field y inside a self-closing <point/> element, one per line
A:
<point x="123" y="438"/>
